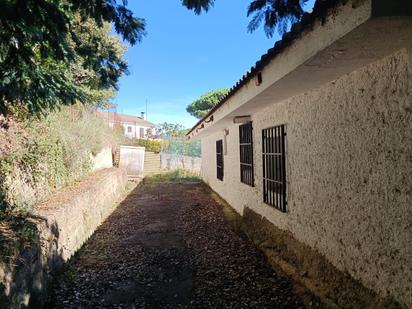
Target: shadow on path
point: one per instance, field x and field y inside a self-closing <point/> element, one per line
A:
<point x="168" y="245"/>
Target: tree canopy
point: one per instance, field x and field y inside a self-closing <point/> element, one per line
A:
<point x="45" y="45"/>
<point x="60" y="52"/>
<point x="166" y="130"/>
<point x="200" y="107"/>
<point x="274" y="14"/>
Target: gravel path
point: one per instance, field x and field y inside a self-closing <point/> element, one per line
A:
<point x="168" y="246"/>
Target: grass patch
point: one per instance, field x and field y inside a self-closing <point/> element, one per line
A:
<point x="173" y="176"/>
<point x="48" y="154"/>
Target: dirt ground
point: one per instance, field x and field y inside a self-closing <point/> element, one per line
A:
<point x="168" y="245"/>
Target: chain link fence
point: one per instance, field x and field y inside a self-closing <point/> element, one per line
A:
<point x="180" y="153"/>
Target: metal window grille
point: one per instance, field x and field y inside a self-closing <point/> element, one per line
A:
<point x="219" y="159"/>
<point x="246" y="154"/>
<point x="274" y="167"/>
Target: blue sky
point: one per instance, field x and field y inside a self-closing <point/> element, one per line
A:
<point x="184" y="55"/>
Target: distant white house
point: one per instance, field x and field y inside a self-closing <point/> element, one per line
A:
<point x="133" y="126"/>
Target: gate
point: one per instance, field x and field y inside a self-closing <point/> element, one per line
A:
<point x="132" y="159"/>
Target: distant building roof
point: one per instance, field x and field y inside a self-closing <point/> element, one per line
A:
<point x="115" y="117"/>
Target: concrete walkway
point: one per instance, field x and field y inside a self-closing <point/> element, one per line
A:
<point x="168" y="245"/>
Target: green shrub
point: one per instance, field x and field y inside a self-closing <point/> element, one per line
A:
<point x="57" y="151"/>
<point x="150" y="145"/>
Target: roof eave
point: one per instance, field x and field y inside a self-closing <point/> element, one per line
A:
<point x="361" y="12"/>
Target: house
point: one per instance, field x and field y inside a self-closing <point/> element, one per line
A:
<point x="133" y="126"/>
<point x="317" y="139"/>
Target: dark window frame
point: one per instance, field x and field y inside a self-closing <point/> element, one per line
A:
<point x="246" y="154"/>
<point x="274" y="167"/>
<point x="219" y="160"/>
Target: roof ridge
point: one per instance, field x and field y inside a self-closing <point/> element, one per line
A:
<point x="320" y="10"/>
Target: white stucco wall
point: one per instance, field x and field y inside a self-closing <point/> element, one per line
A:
<point x="349" y="164"/>
<point x="135" y="130"/>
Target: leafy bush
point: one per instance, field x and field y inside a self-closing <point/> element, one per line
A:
<point x="56" y="151"/>
<point x="150" y="145"/>
<point x="200" y="107"/>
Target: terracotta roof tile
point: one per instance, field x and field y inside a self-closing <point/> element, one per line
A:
<point x="320" y="11"/>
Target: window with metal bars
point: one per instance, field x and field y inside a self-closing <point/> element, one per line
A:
<point x="246" y="154"/>
<point x="219" y="159"/>
<point x="274" y="167"/>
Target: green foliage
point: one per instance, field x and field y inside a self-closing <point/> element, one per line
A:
<point x="200" y="107"/>
<point x="54" y="53"/>
<point x="150" y="145"/>
<point x="31" y="173"/>
<point x="274" y="14"/>
<point x="99" y="61"/>
<point x="182" y="147"/>
<point x="56" y="151"/>
<point x="166" y="129"/>
<point x="198" y="5"/>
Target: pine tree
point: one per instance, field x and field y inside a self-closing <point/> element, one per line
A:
<point x="200" y="107"/>
<point x="274" y="14"/>
<point x="39" y="50"/>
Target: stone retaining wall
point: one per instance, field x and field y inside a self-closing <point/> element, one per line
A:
<point x="61" y="225"/>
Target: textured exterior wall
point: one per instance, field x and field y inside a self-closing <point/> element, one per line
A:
<point x="62" y="224"/>
<point x="349" y="163"/>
